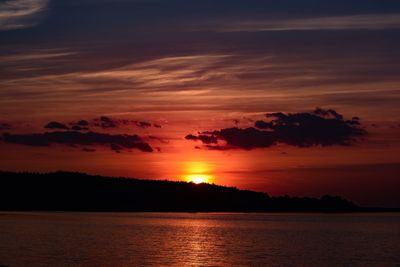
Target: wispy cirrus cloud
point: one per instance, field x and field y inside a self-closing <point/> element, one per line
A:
<point x="16" y="14"/>
<point x="165" y="72"/>
<point x="350" y="22"/>
<point x="219" y="82"/>
<point x="204" y="73"/>
<point x="34" y="55"/>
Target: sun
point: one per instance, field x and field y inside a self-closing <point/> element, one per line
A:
<point x="198" y="178"/>
<point x="197" y="172"/>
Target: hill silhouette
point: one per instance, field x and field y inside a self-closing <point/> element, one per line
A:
<point x="71" y="191"/>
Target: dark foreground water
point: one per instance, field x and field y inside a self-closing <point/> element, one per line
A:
<point x="199" y="239"/>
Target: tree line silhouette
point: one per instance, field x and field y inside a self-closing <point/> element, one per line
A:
<point x="72" y="191"/>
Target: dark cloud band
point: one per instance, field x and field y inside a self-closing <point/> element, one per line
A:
<point x="55" y="125"/>
<point x="71" y="138"/>
<point x="318" y="128"/>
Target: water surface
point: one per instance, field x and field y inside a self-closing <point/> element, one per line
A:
<point x="199" y="239"/>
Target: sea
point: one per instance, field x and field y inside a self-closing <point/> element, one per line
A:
<point x="199" y="239"/>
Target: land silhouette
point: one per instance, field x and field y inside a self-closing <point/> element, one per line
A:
<point x="72" y="191"/>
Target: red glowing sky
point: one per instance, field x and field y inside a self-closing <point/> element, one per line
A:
<point x="160" y="71"/>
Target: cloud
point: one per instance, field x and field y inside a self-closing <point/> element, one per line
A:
<point x="35" y="55"/>
<point x="205" y="139"/>
<point x="106" y="122"/>
<point x="160" y="74"/>
<point x="79" y="128"/>
<point x="116" y="148"/>
<point x="351" y="22"/>
<point x="103" y="122"/>
<point x="56" y="125"/>
<point x="16" y="14"/>
<point x="87" y="149"/>
<point x="159" y="139"/>
<point x="262" y="125"/>
<point x="318" y="128"/>
<point x="82" y="123"/>
<point x="5" y="126"/>
<point x="331" y="73"/>
<point x="142" y="124"/>
<point x="71" y="138"/>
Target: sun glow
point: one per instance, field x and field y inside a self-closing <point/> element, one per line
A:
<point x="198" y="178"/>
<point x="197" y="172"/>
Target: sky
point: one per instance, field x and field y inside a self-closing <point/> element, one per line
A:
<point x="285" y="97"/>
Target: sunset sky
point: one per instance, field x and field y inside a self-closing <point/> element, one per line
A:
<point x="298" y="97"/>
